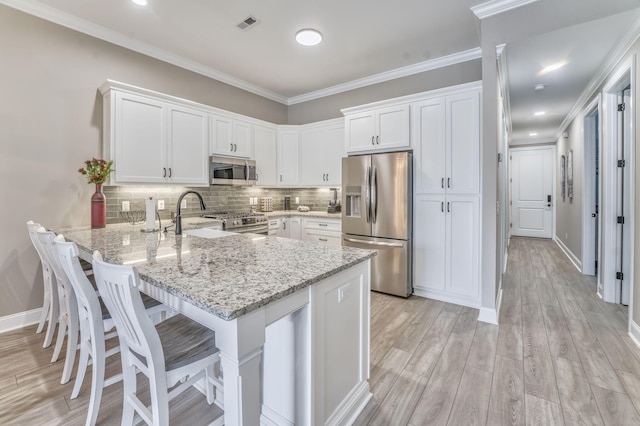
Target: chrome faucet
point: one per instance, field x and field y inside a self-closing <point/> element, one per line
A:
<point x="179" y="214"/>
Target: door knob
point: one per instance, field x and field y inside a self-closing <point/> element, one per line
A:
<point x="593" y="215"/>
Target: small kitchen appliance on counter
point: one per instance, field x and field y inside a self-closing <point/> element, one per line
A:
<point x="287" y="202"/>
<point x="334" y="205"/>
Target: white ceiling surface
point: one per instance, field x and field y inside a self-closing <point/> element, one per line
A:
<point x="584" y="47"/>
<point x="361" y="37"/>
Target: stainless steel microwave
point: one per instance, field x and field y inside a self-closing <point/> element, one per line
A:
<point x="231" y="171"/>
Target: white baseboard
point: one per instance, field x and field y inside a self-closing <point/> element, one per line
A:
<point x="572" y="257"/>
<point x="19" y="320"/>
<point x="347" y="412"/>
<point x="634" y="333"/>
<point x="490" y="315"/>
<point x="446" y="297"/>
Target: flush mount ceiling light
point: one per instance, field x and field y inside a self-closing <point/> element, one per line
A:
<point x="539" y="113"/>
<point x="140" y="2"/>
<point x="538" y="87"/>
<point x="308" y="37"/>
<point x="552" y="67"/>
<point x="533" y="134"/>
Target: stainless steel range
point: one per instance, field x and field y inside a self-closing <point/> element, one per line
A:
<point x="256" y="223"/>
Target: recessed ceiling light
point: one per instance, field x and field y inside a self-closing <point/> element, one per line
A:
<point x="539" y="113"/>
<point x="533" y="134"/>
<point x="552" y="67"/>
<point x="140" y="2"/>
<point x="308" y="37"/>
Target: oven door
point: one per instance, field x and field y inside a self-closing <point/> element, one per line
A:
<point x="232" y="171"/>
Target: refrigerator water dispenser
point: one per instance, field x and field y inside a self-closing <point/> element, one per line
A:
<point x="353" y="201"/>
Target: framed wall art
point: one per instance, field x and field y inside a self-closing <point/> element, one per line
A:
<point x="563" y="176"/>
<point x="570" y="174"/>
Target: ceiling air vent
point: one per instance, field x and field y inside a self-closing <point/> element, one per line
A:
<point x="247" y="23"/>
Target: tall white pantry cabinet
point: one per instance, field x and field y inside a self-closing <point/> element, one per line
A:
<point x="446" y="138"/>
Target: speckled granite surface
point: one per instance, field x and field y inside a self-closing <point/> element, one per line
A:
<point x="228" y="276"/>
<point x="289" y="213"/>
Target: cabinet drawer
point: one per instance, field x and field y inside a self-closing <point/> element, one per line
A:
<point x="323" y="224"/>
<point x="274" y="224"/>
<point x="322" y="237"/>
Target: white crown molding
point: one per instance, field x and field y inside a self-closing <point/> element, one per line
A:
<point x="608" y="65"/>
<point x="495" y="7"/>
<point x="66" y="20"/>
<point x="443" y="61"/>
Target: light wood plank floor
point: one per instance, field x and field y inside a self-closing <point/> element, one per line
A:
<point x="559" y="356"/>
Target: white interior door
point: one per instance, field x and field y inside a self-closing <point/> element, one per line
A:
<point x="532" y="174"/>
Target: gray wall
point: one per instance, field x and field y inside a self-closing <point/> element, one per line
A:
<point x="329" y="107"/>
<point x="51" y="121"/>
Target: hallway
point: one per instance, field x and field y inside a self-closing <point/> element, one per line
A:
<point x="560" y="355"/>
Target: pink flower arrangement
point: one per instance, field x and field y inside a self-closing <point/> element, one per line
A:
<point x="96" y="171"/>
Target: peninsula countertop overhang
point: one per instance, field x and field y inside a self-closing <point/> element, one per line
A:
<point x="228" y="276"/>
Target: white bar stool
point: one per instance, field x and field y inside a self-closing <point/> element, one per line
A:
<point x="177" y="350"/>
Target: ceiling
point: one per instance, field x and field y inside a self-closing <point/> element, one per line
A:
<point x="364" y="41"/>
<point x="585" y="48"/>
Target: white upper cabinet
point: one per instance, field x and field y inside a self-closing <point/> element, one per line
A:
<point x="380" y="129"/>
<point x="152" y="141"/>
<point x="447" y="144"/>
<point x="230" y="137"/>
<point x="265" y="150"/>
<point x="287" y="158"/>
<point x="187" y="146"/>
<point x="321" y="149"/>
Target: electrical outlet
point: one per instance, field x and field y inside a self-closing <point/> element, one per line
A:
<point x="344" y="292"/>
<point x="183" y="204"/>
<point x="160" y="204"/>
<point x="297" y="200"/>
<point x="125" y="206"/>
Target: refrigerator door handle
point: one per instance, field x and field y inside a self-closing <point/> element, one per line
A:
<point x="374" y="194"/>
<point x="367" y="195"/>
<point x="373" y="243"/>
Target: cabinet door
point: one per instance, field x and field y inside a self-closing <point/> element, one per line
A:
<point x="463" y="141"/>
<point x="242" y="138"/>
<point x="284" y="230"/>
<point x="430" y="146"/>
<point x="295" y="228"/>
<point x="360" y="131"/>
<point x="188" y="146"/>
<point x="429" y="249"/>
<point x="221" y="135"/>
<point x="288" y="158"/>
<point x="392" y="127"/>
<point x="140" y="137"/>
<point x="334" y="151"/>
<point x="266" y="156"/>
<point x="462" y="251"/>
<point x="311" y="155"/>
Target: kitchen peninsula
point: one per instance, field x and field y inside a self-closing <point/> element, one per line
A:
<point x="291" y="317"/>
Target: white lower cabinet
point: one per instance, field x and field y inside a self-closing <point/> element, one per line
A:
<point x="291" y="228"/>
<point x="446" y="248"/>
<point x="322" y="231"/>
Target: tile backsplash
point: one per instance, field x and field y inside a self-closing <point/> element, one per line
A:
<point x="217" y="198"/>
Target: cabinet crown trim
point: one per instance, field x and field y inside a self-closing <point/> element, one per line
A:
<point x="451" y="90"/>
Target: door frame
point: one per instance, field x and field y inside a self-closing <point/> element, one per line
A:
<point x="623" y="76"/>
<point x="553" y="183"/>
<point x="589" y="188"/>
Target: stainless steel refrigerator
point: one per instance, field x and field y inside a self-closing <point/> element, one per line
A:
<point x="377" y="208"/>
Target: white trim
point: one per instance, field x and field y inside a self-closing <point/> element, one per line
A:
<point x="572" y="257"/>
<point x="448" y="91"/>
<point x="431" y="64"/>
<point x="443" y="296"/>
<point x="348" y="411"/>
<point x="490" y="315"/>
<point x="634" y="333"/>
<point x="588" y="202"/>
<point x="19" y="320"/>
<point x="269" y="417"/>
<point x="601" y="74"/>
<point x="81" y="25"/>
<point x="495" y="7"/>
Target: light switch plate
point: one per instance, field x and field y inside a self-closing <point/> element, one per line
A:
<point x="297" y="200"/>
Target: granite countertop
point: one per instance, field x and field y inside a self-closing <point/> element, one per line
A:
<point x="315" y="214"/>
<point x="228" y="276"/>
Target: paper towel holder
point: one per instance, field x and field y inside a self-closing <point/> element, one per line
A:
<point x="156" y="215"/>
